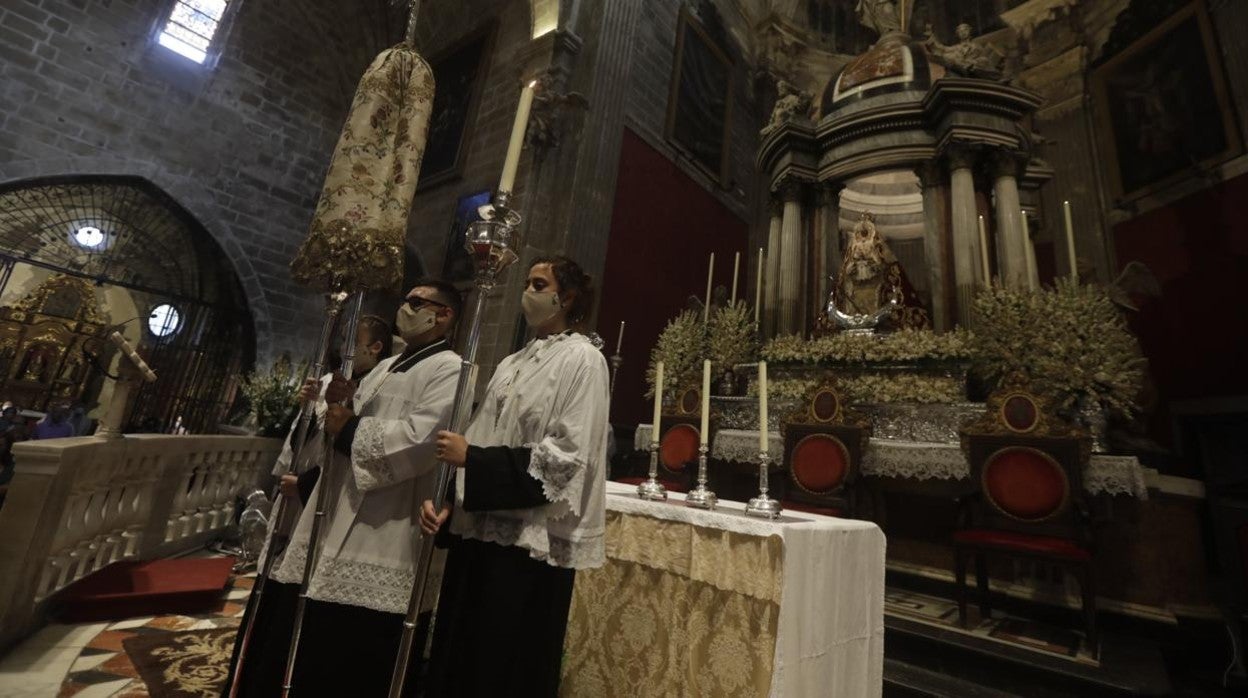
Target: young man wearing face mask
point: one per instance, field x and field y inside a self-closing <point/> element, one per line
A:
<point x="383" y="431"/>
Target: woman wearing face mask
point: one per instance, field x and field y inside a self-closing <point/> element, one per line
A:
<point x="530" y="501"/>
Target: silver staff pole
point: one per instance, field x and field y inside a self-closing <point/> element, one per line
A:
<point x="492" y="244"/>
<point x="352" y="320"/>
<point x="333" y="307"/>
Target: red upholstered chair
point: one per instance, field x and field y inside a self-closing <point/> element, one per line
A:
<point x="823" y="445"/>
<point x="679" y="439"/>
<point x="1028" y="501"/>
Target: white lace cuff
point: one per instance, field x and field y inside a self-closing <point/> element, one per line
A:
<point x="562" y="478"/>
<point x="369" y="464"/>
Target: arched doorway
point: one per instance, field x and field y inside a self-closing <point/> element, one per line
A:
<point x="153" y="273"/>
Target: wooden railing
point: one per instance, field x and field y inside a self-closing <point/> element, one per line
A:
<point x="77" y="505"/>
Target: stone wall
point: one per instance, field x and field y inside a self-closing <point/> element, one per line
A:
<point x="243" y="145"/>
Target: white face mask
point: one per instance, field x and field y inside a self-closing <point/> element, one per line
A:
<point x="539" y="306"/>
<point x="413" y="323"/>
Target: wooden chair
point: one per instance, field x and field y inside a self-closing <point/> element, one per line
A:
<point x="679" y="439"/>
<point x="1028" y="501"/>
<point x="823" y="447"/>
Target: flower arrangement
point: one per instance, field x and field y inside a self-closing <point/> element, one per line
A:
<point x="271" y="394"/>
<point x="681" y="347"/>
<point x="903" y="387"/>
<point x="730" y="337"/>
<point x="1070" y="340"/>
<point x="908" y="345"/>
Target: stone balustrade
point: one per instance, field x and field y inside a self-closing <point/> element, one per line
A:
<point x="77" y="505"/>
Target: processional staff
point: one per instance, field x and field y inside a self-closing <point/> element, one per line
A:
<point x="345" y="256"/>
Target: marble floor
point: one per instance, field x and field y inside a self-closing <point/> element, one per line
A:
<point x="88" y="660"/>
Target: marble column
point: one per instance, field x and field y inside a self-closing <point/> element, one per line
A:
<point x="965" y="224"/>
<point x="935" y="235"/>
<point x="790" y="276"/>
<point x="1011" y="255"/>
<point x="771" y="272"/>
<point x="828" y="234"/>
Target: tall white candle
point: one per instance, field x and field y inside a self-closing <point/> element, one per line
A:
<point x="1033" y="277"/>
<point x="706" y="401"/>
<point x="736" y="268"/>
<point x="517" y="138"/>
<point x="619" y="341"/>
<point x="710" y="276"/>
<point x="658" y="401"/>
<point x="762" y="407"/>
<point x="1070" y="242"/>
<point x="758" y="287"/>
<point x="983" y="252"/>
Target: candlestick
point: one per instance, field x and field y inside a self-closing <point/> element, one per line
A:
<point x="763" y="506"/>
<point x="710" y="276"/>
<point x="763" y="441"/>
<point x="651" y="489"/>
<point x="619" y="340"/>
<point x="1070" y="242"/>
<point x="512" y="162"/>
<point x="706" y="401"/>
<point x="1033" y="277"/>
<point x="701" y="497"/>
<point x="758" y="287"/>
<point x="983" y="252"/>
<point x="736" y="265"/>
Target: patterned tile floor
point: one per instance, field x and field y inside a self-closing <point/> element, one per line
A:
<point x="87" y="660"/>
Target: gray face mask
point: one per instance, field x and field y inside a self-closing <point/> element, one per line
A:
<point x="539" y="306"/>
<point x="413" y="323"/>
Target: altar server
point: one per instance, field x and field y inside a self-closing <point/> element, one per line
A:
<point x="383" y="469"/>
<point x="529" y="501"/>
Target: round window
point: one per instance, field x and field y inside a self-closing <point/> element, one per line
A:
<point x="89" y="236"/>
<point x="164" y="320"/>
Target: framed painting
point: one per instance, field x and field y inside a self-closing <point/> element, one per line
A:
<point x="1162" y="108"/>
<point x="699" y="104"/>
<point x="459" y="72"/>
<point x="457" y="266"/>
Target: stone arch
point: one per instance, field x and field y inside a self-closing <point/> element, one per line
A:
<point x="183" y="188"/>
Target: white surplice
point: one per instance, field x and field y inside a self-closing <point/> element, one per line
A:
<point x="371" y="533"/>
<point x="551" y="397"/>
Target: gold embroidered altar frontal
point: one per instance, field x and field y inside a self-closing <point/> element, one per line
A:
<point x="702" y="603"/>
<point x="679" y="606"/>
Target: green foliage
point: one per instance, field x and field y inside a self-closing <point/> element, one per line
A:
<point x="271" y="395"/>
<point x="1071" y="340"/>
<point x="730" y="336"/>
<point x="895" y="347"/>
<point x="681" y="347"/>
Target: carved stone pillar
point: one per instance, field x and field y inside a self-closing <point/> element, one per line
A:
<point x="935" y="241"/>
<point x="771" y="272"/>
<point x="828" y="235"/>
<point x="790" y="276"/>
<point x="965" y="225"/>
<point x="1010" y="243"/>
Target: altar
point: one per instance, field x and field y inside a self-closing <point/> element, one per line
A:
<point x="695" y="602"/>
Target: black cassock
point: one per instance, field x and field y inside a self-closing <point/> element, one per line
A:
<point x="502" y="615"/>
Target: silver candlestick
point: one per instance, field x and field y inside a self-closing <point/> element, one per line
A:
<point x="616" y="361"/>
<point x="702" y="497"/>
<point x="763" y="506"/>
<point x="652" y="489"/>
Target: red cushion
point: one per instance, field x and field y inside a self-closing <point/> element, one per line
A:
<point x="679" y="447"/>
<point x="812" y="508"/>
<point x="1025" y="483"/>
<point x="669" y="485"/>
<point x="819" y="463"/>
<point x="1007" y="540"/>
